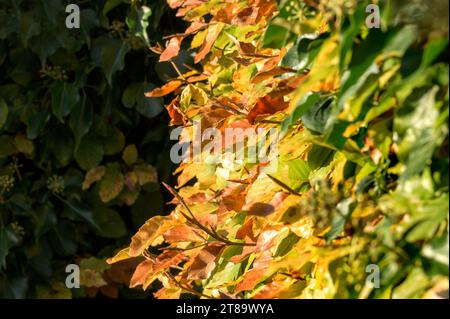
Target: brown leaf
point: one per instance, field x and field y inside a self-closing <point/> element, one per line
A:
<point x="111" y="291"/>
<point x="266" y="106"/>
<point x="233" y="197"/>
<point x="176" y="117"/>
<point x="172" y="49"/>
<point x="246" y="231"/>
<point x="165" y="89"/>
<point x="204" y="262"/>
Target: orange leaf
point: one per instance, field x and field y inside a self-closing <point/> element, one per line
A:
<point x="256" y="274"/>
<point x="213" y="33"/>
<point x="165" y="89"/>
<point x="194" y="27"/>
<point x="266" y="106"/>
<point x="172" y="49"/>
<point x="140" y="274"/>
<point x="233" y="197"/>
<point x="182" y="233"/>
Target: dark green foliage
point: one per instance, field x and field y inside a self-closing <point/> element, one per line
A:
<point x="71" y="100"/>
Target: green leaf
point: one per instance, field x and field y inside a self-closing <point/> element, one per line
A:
<point x="7" y="146"/>
<point x="114" y="142"/>
<point x="36" y="124"/>
<point x="81" y="120"/>
<point x="147" y="106"/>
<point x="90" y="153"/>
<point x="437" y="250"/>
<point x="29" y="26"/>
<point x="316" y="116"/>
<point x="137" y="21"/>
<point x="275" y="37"/>
<point x="88" y="21"/>
<point x="343" y="212"/>
<point x="64" y="98"/>
<point x="52" y="9"/>
<point x="13" y="287"/>
<point x="113" y="57"/>
<point x="111" y="4"/>
<point x="61" y="145"/>
<point x="8" y="239"/>
<point x="64" y="238"/>
<point x="3" y="113"/>
<point x="301" y="108"/>
<point x="415" y="125"/>
<point x="299" y="170"/>
<point x="80" y="210"/>
<point x="110" y="223"/>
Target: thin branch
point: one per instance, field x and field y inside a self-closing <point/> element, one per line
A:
<point x="194" y="221"/>
<point x="283" y="185"/>
<point x="184" y="287"/>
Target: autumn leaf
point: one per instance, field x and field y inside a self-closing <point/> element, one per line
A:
<point x="165" y="89"/>
<point x="143" y="270"/>
<point x="266" y="106"/>
<point x="148" y="233"/>
<point x="204" y="262"/>
<point x="172" y="49"/>
<point x="211" y="36"/>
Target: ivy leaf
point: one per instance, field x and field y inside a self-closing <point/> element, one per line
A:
<point x="8" y="239"/>
<point x="3" y="113"/>
<point x="81" y="120"/>
<point x="114" y="142"/>
<point x="29" y="26"/>
<point x="113" y="57"/>
<point x="64" y="98"/>
<point x="82" y="211"/>
<point x="137" y="22"/>
<point x="89" y="153"/>
<point x="110" y="223"/>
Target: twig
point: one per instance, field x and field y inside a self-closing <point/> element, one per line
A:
<point x="194" y="221"/>
<point x="283" y="185"/>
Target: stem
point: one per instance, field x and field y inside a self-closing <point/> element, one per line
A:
<point x="195" y="222"/>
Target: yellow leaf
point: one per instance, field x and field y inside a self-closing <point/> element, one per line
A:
<point x="148" y="233"/>
<point x="121" y="255"/>
<point x="130" y="154"/>
<point x="111" y="184"/>
<point x="93" y="175"/>
<point x="146" y="174"/>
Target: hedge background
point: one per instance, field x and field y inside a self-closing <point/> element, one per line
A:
<point x="72" y="100"/>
